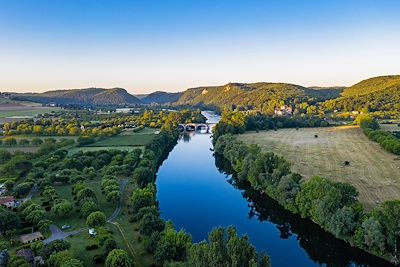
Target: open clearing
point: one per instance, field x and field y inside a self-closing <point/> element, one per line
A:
<point x="372" y="170"/>
<point x="127" y="138"/>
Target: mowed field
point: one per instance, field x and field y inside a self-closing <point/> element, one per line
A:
<point x="13" y="110"/>
<point x="127" y="140"/>
<point x="372" y="170"/>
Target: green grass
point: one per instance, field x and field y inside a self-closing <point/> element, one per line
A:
<point x="26" y="112"/>
<point x="73" y="219"/>
<point x="76" y="149"/>
<point x="127" y="138"/>
<point x="43" y="137"/>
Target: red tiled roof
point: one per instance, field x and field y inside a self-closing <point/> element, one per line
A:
<point x="6" y="199"/>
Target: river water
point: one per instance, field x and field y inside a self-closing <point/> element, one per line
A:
<point x="196" y="194"/>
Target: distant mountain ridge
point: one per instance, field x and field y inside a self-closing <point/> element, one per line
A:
<point x="160" y="97"/>
<point x="86" y="97"/>
<point x="375" y="93"/>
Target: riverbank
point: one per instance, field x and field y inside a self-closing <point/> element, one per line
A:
<point x="333" y="206"/>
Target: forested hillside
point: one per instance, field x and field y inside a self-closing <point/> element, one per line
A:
<point x="160" y="97"/>
<point x="89" y="96"/>
<point x="372" y="85"/>
<point x="374" y="94"/>
<point x="262" y="96"/>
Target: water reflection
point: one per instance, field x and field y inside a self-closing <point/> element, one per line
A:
<point x="320" y="246"/>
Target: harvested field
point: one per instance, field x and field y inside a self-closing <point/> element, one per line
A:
<point x="372" y="170"/>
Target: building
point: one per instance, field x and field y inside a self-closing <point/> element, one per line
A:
<point x="32" y="237"/>
<point x="7" y="201"/>
<point x="123" y="110"/>
<point x="283" y="111"/>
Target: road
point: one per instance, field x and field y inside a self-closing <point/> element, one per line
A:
<point x="58" y="234"/>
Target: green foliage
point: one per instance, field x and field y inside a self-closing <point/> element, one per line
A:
<point x="4" y="156"/>
<point x="88" y="207"/>
<point x="143" y="197"/>
<point x="118" y="258"/>
<point x="366" y="121"/>
<point x="8" y="220"/>
<point x="387" y="140"/>
<point x="53" y="247"/>
<point x="264" y="97"/>
<point x="225" y="248"/>
<point x="151" y="223"/>
<point x="59" y="258"/>
<point x="72" y="263"/>
<point x="17" y="261"/>
<point x="62" y="208"/>
<point x="172" y="245"/>
<point x="96" y="219"/>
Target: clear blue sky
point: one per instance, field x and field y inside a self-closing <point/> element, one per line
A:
<point x="172" y="45"/>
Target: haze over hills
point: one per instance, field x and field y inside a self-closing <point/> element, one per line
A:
<point x="377" y="92"/>
<point x="160" y="97"/>
<point x="87" y="96"/>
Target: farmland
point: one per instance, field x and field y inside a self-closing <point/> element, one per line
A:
<point x="12" y="110"/>
<point x="127" y="140"/>
<point x="373" y="171"/>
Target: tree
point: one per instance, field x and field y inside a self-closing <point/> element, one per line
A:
<point x="96" y="219"/>
<point x="62" y="208"/>
<point x="57" y="259"/>
<point x="118" y="258"/>
<point x="151" y="223"/>
<point x="24" y="142"/>
<point x="143" y="197"/>
<point x="72" y="263"/>
<point x="88" y="207"/>
<point x="172" y="245"/>
<point x="22" y="189"/>
<point x="109" y="245"/>
<point x="36" y="141"/>
<point x="17" y="261"/>
<point x="142" y="176"/>
<point x="8" y="220"/>
<point x="85" y="194"/>
<point x="113" y="196"/>
<point x="9" y="141"/>
<point x="4" y="156"/>
<point x="53" y="247"/>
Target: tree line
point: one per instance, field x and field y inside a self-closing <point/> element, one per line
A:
<point x="387" y="140"/>
<point x="332" y="205"/>
<point x="235" y="122"/>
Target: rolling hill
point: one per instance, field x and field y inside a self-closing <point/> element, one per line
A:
<point x="375" y="94"/>
<point x="160" y="97"/>
<point x="373" y="85"/>
<point x="85" y="97"/>
<point x="262" y="96"/>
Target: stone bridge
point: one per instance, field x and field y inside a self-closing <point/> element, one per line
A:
<point x="196" y="127"/>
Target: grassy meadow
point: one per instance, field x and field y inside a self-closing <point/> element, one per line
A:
<point x="372" y="170"/>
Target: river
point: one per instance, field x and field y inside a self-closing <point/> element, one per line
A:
<point x="196" y="194"/>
